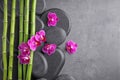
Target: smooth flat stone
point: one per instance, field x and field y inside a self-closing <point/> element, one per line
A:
<point x="40" y="65"/>
<point x="64" y="21"/>
<point x="55" y="64"/>
<point x="65" y="77"/>
<point x="55" y="35"/>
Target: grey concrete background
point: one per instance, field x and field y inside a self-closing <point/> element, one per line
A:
<point x="96" y="29"/>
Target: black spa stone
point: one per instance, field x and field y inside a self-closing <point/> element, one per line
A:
<point x="55" y="64"/>
<point x="64" y="20"/>
<point x="41" y="6"/>
<point x="40" y="65"/>
<point x="65" y="77"/>
<point x="55" y="35"/>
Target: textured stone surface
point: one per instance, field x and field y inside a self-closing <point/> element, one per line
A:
<point x="96" y="29"/>
<point x="65" y="77"/>
<point x="55" y="35"/>
<point x="55" y="64"/>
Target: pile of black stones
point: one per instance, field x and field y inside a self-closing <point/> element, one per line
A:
<point x="44" y="67"/>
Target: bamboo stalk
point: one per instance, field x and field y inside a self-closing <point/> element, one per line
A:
<point x="26" y="29"/>
<point x="4" y="41"/>
<point x="11" y="47"/>
<point x="20" y="36"/>
<point x="33" y="11"/>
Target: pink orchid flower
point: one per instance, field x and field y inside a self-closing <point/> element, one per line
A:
<point x="33" y="43"/>
<point x="49" y="49"/>
<point x="24" y="59"/>
<point x="24" y="48"/>
<point x="71" y="47"/>
<point x="40" y="36"/>
<point x="52" y="19"/>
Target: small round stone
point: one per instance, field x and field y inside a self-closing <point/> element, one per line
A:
<point x="65" y="77"/>
<point x="40" y="65"/>
<point x="63" y="19"/>
<point x="55" y="35"/>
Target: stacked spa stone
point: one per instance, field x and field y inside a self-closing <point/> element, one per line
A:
<point x="44" y="67"/>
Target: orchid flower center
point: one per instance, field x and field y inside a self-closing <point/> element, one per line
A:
<point x="51" y="19"/>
